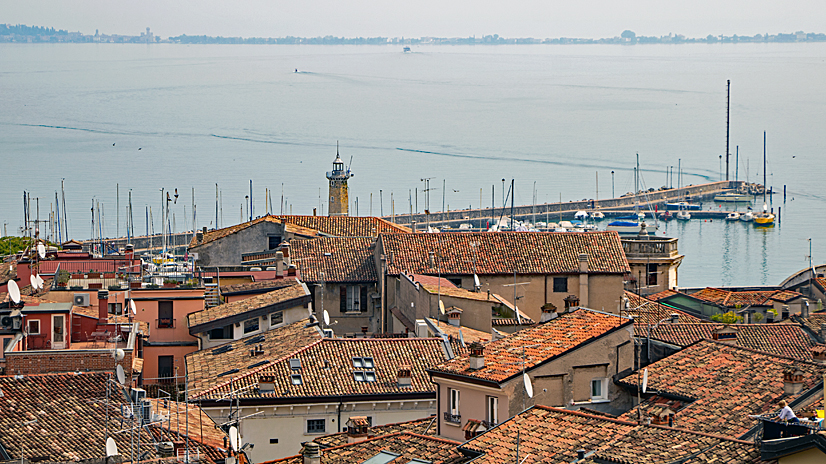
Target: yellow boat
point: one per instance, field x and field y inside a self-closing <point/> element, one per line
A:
<point x="763" y="219"/>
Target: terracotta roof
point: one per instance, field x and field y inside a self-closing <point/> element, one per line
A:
<point x="204" y="367"/>
<point x="468" y="335"/>
<point x="62" y="417"/>
<point x="432" y="280"/>
<point x="406" y="445"/>
<point x="346" y="226"/>
<point x="645" y="311"/>
<point x="503" y="357"/>
<point x="722" y="385"/>
<point x="260" y="286"/>
<point x="294" y="291"/>
<point x="745" y="298"/>
<point x="341" y="259"/>
<point x="784" y="339"/>
<point x="813" y="322"/>
<point x="424" y="426"/>
<point x="215" y="234"/>
<point x="327" y="369"/>
<point x="201" y="427"/>
<point x="552" y="435"/>
<point x="660" y="295"/>
<point x="503" y="253"/>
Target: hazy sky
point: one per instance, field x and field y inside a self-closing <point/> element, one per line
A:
<point x="443" y="18"/>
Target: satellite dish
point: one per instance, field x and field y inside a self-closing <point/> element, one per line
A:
<point x="121" y="375"/>
<point x="476" y="282"/>
<point x="14" y="291"/>
<point x="326" y="317"/>
<point x="234" y="438"/>
<point x="118" y="354"/>
<point x="441" y="307"/>
<point x="33" y="281"/>
<point x="528" y="385"/>
<point x="39" y="282"/>
<point x="111" y="447"/>
<point x="41" y="251"/>
<point x="645" y="380"/>
<point x="132" y="307"/>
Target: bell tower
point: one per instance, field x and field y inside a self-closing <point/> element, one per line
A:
<point x="339" y="196"/>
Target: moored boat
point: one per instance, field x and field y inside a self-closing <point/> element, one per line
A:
<point x="733" y="197"/>
<point x="683" y="215"/>
<point x="733" y="216"/>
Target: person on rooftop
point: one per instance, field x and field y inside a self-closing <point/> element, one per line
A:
<point x="786" y="413"/>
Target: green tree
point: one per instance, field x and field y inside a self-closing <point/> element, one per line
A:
<point x="626" y="34"/>
<point x="726" y="318"/>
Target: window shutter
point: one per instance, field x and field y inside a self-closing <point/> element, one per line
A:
<point x="363" y="302"/>
<point x="343" y="302"/>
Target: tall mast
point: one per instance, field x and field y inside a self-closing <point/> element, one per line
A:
<point x="764" y="170"/>
<point x="728" y="106"/>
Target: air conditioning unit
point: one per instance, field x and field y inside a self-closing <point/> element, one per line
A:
<point x="11" y="322"/>
<point x="80" y="299"/>
<point x="137" y="395"/>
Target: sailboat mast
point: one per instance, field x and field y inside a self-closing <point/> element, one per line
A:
<point x="764" y="169"/>
<point x="728" y="106"/>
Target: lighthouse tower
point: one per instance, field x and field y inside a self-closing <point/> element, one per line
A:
<point x="339" y="197"/>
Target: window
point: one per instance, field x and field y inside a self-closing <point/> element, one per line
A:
<point x="358" y="363"/>
<point x="454" y="402"/>
<point x="34" y="327"/>
<point x="116" y="309"/>
<point x="295" y="379"/>
<point x="363" y="363"/>
<point x="273" y="241"/>
<point x="6" y="342"/>
<point x="353" y="298"/>
<point x="652" y="274"/>
<point x="316" y="425"/>
<point x="166" y="366"/>
<point x="599" y="390"/>
<point x="276" y="318"/>
<point x="457" y="281"/>
<point x="251" y="325"/>
<point x="492" y="410"/>
<point x="364" y="376"/>
<point x="165" y="318"/>
<point x="221" y="333"/>
<point x="273" y="441"/>
<point x="560" y="284"/>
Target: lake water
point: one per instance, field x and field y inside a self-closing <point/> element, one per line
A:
<point x="175" y="116"/>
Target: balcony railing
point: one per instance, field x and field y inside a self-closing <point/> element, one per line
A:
<point x="453" y="418"/>
<point x="165" y="323"/>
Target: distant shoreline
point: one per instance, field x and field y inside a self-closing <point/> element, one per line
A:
<point x="34" y="34"/>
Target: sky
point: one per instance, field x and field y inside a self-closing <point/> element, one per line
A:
<point x="439" y="18"/>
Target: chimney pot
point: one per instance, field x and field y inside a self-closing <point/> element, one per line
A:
<point x="477" y="356"/>
<point x="204" y="230"/>
<point x="279" y="263"/>
<point x="311" y="453"/>
<point x="580" y="454"/>
<point x="405" y="376"/>
<point x="792" y="381"/>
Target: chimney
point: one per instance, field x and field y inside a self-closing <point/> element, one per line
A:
<point x="819" y="354"/>
<point x="314" y="212"/>
<point x="413" y="226"/>
<point x="431" y="259"/>
<point x="311" y="454"/>
<point x="580" y="454"/>
<point x="792" y="381"/>
<point x="784" y="314"/>
<point x="103" y="307"/>
<point x="454" y="317"/>
<point x="204" y="230"/>
<point x="199" y="237"/>
<point x="279" y="264"/>
<point x="477" y="356"/>
<point x="726" y="334"/>
<point x="130" y="252"/>
<point x="266" y="384"/>
<point x="285" y="248"/>
<point x="405" y="377"/>
<point x="548" y="313"/>
<point x="357" y="429"/>
<point x="291" y="270"/>
<point x="583" y="278"/>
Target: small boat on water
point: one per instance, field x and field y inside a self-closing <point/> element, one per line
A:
<point x="748" y="216"/>
<point x="597" y="216"/>
<point x="406" y="49"/>
<point x="683" y="215"/>
<point x="732" y="197"/>
<point x="765" y="218"/>
<point x="683" y="205"/>
<point x="733" y="216"/>
<point x="666" y="216"/>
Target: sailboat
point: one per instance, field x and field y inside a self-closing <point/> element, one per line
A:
<point x="764" y="218"/>
<point x="633" y="224"/>
<point x="748" y="216"/>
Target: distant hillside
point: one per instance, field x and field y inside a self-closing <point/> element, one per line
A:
<point x="22" y="29"/>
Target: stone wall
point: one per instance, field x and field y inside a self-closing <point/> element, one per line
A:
<point x="51" y="361"/>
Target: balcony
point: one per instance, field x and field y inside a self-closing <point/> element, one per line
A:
<point x="650" y="247"/>
<point x="165" y="323"/>
<point x="453" y="418"/>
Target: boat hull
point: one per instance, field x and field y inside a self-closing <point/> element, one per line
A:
<point x="683" y="206"/>
<point x="764" y="220"/>
<point x="629" y="228"/>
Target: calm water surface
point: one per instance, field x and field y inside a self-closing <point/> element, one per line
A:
<point x="562" y="117"/>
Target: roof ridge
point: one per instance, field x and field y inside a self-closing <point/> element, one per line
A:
<point x="582" y="414"/>
<point x="765" y="353"/>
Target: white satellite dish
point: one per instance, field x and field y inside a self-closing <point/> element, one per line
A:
<point x="33" y="282"/>
<point x="476" y="282"/>
<point x="121" y="375"/>
<point x="118" y="354"/>
<point x="132" y="307"/>
<point x="326" y="317"/>
<point x="111" y="447"/>
<point x="39" y="282"/>
<point x="14" y="291"/>
<point x="528" y="385"/>
<point x="645" y="380"/>
<point x="234" y="438"/>
<point x="441" y="307"/>
<point x="41" y="251"/>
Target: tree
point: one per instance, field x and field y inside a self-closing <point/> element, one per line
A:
<point x="626" y="34"/>
<point x="726" y="318"/>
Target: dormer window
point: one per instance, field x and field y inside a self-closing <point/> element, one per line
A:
<point x="295" y="379"/>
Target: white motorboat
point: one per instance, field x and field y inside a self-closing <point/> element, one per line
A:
<point x="733" y="216"/>
<point x="683" y="215"/>
<point x="597" y="216"/>
<point x="748" y="216"/>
